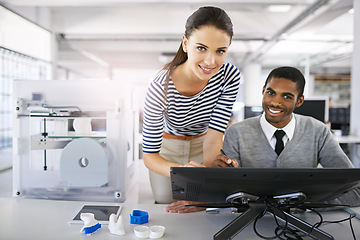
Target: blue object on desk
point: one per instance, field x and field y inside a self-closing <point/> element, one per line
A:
<point x="92" y="229"/>
<point x="139" y="217"/>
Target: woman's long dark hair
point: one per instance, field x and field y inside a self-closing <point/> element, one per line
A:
<point x="204" y="16"/>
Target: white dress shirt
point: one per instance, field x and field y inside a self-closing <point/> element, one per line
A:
<point x="269" y="130"/>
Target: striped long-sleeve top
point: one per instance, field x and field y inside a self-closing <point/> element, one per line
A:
<point x="188" y="116"/>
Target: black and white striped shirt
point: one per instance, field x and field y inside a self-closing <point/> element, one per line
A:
<point x="188" y="116"/>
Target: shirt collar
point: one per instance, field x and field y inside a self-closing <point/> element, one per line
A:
<point x="269" y="129"/>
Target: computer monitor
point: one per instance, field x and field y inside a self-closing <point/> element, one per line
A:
<point x="216" y="184"/>
<point x="340" y="119"/>
<point x="316" y="107"/>
<point x="252" y="111"/>
<point x="255" y="185"/>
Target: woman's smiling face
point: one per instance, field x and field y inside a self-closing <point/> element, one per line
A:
<point x="280" y="98"/>
<point x="206" y="48"/>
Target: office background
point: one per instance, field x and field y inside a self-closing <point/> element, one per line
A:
<point x="129" y="41"/>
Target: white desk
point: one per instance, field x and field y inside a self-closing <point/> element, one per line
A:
<point x="348" y="139"/>
<point x="48" y="219"/>
<point x="354" y="150"/>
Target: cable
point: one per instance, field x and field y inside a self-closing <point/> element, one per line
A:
<point x="351" y="216"/>
<point x="351" y="226"/>
<point x="318" y="224"/>
<point x="285" y="232"/>
<point x="259" y="217"/>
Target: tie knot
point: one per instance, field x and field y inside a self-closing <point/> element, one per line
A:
<point x="279" y="134"/>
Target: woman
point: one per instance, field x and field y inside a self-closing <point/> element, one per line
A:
<point x="188" y="105"/>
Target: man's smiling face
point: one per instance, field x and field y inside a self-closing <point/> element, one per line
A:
<point x="280" y="98"/>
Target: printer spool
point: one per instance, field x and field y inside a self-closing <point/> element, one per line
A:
<point x="84" y="163"/>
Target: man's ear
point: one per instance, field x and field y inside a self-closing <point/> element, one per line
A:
<point x="300" y="101"/>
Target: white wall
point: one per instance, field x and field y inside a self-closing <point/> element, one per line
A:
<point x="139" y="80"/>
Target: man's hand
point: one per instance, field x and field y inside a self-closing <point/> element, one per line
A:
<point x="179" y="207"/>
<point x="224" y="161"/>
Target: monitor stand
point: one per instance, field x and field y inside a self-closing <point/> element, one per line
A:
<point x="256" y="209"/>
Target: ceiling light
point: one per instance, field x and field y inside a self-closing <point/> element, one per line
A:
<point x="279" y="8"/>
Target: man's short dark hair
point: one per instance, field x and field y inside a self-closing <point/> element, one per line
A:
<point x="289" y="73"/>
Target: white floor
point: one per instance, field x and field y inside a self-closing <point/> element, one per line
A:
<point x="140" y="193"/>
<point x="6" y="183"/>
<point x="6" y="173"/>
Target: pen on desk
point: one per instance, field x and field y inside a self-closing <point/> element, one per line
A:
<point x="223" y="153"/>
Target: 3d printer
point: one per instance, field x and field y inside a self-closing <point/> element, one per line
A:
<point x="74" y="140"/>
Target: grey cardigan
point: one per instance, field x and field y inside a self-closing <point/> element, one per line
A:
<point x="312" y="143"/>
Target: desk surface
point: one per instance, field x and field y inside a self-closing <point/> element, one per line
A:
<point x="48" y="219"/>
<point x="347" y="139"/>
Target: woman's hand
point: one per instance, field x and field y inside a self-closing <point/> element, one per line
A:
<point x="224" y="161"/>
<point x="180" y="207"/>
<point x="161" y="166"/>
<point x="194" y="164"/>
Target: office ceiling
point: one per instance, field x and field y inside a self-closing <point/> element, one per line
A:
<point x="98" y="36"/>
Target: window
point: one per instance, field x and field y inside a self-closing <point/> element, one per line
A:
<point x="14" y="65"/>
<point x="20" y="58"/>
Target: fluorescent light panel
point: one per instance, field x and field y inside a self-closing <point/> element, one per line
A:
<point x="279" y="8"/>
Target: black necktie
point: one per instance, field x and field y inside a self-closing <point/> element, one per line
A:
<point x="279" y="134"/>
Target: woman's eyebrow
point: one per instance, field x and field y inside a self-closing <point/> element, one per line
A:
<point x="203" y="45"/>
<point x="222" y="48"/>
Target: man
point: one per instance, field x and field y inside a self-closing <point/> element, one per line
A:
<point x="304" y="142"/>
